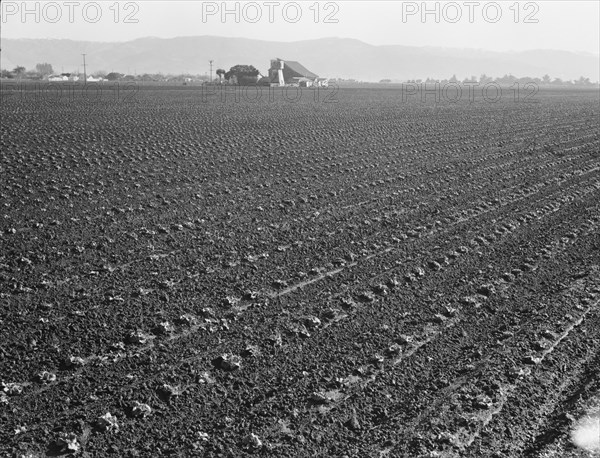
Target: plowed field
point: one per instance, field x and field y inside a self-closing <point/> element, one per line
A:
<point x="367" y="278"/>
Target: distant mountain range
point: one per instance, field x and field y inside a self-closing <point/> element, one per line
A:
<point x="328" y="57"/>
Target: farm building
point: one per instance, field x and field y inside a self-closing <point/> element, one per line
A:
<point x="290" y="72"/>
<point x="53" y="78"/>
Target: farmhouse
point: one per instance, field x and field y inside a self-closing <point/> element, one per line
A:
<point x="293" y="73"/>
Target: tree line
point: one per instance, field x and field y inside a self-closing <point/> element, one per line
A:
<point x="503" y="80"/>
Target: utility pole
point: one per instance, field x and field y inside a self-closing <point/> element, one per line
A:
<point x="84" y="71"/>
<point x="211" y="62"/>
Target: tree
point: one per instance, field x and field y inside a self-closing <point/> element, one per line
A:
<point x="244" y="74"/>
<point x="114" y="76"/>
<point x="221" y="73"/>
<point x="583" y="81"/>
<point x="19" y="71"/>
<point x="32" y="75"/>
<point x="506" y="79"/>
<point x="546" y="79"/>
<point x="44" y="69"/>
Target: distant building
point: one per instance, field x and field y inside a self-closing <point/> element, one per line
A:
<point x="53" y="78"/>
<point x="293" y="73"/>
<point x="322" y="82"/>
<point x="64" y="77"/>
<point x="301" y="81"/>
<point x="264" y="81"/>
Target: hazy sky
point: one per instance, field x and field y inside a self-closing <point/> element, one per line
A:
<point x="502" y="25"/>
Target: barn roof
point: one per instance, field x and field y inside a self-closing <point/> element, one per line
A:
<point x="300" y="69"/>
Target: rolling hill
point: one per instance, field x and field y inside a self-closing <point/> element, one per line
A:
<point x="329" y="57"/>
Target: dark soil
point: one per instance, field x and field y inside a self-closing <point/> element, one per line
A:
<point x="365" y="278"/>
